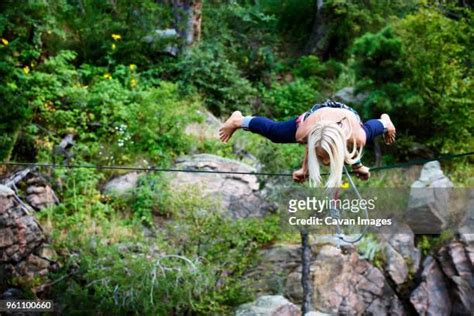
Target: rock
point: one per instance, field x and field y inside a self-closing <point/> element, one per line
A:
<point x="316" y="314"/>
<point x="428" y="210"/>
<point x="269" y="306"/>
<point x="12" y="294"/>
<point x="342" y="281"/>
<point x="167" y="35"/>
<point x="396" y="266"/>
<point x="345" y="284"/>
<point x="46" y="252"/>
<point x="458" y="268"/>
<point x="39" y="193"/>
<point x="466" y="230"/>
<point x="432" y="176"/>
<point x="346" y="95"/>
<point x="431" y="297"/>
<point x="398" y="243"/>
<point x="24" y="252"/>
<point x="276" y="263"/>
<point x="208" y="129"/>
<point x="17" y="238"/>
<point x="123" y="184"/>
<point x="235" y="194"/>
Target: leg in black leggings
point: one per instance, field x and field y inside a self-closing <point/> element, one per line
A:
<point x="373" y="128"/>
<point x="277" y="132"/>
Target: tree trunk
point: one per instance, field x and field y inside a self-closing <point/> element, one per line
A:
<point x="318" y="40"/>
<point x="305" y="272"/>
<point x="187" y="15"/>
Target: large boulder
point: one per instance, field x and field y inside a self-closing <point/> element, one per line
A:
<point x="269" y="305"/>
<point x="269" y="277"/>
<point x="458" y="269"/>
<point x="428" y="206"/>
<point x="123" y="184"/>
<point x="39" y="193"/>
<point x="342" y="281"/>
<point x="345" y="283"/>
<point x="24" y="252"/>
<point x="431" y="297"/>
<point x="466" y="230"/>
<point x="236" y="194"/>
<point x="402" y="257"/>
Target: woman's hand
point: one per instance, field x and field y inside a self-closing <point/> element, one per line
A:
<point x="361" y="171"/>
<point x="300" y="175"/>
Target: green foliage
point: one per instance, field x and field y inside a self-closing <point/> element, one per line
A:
<point x="379" y="57"/>
<point x="112" y="269"/>
<point x="243" y="33"/>
<point x="372" y="250"/>
<point x="290" y="99"/>
<point x="218" y="79"/>
<point x="294" y="17"/>
<point x="83" y="67"/>
<point x="151" y="196"/>
<point x="430" y="244"/>
<point x="311" y="66"/>
<point x="21" y="32"/>
<point x="229" y="246"/>
<point x="346" y="20"/>
<point x="112" y="114"/>
<point x="91" y="26"/>
<point x="278" y="157"/>
<point x="379" y="66"/>
<point x="420" y="65"/>
<point x="441" y="75"/>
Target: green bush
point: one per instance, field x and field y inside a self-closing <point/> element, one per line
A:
<point x="294" y="18"/>
<point x="311" y="67"/>
<point x="245" y="34"/>
<point x="151" y="196"/>
<point x="198" y="268"/>
<point x="110" y="32"/>
<point x="285" y="100"/>
<point x="420" y="66"/>
<point x="112" y="114"/>
<point x="220" y="82"/>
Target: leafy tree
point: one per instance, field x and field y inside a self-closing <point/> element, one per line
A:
<point x="421" y="65"/>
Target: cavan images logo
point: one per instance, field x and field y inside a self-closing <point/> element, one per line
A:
<point x="324" y="211"/>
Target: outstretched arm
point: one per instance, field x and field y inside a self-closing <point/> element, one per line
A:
<point x="301" y="174"/>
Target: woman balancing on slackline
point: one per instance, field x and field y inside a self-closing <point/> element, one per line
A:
<point x="333" y="132"/>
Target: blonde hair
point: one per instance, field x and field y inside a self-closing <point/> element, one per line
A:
<point x="329" y="135"/>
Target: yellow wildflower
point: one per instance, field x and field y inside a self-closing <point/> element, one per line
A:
<point x="132" y="67"/>
<point x="116" y="37"/>
<point x="133" y="82"/>
<point x="345" y="185"/>
<point x="5" y="41"/>
<point x="26" y="70"/>
<point x="113" y="46"/>
<point x="107" y="76"/>
<point x="48" y="105"/>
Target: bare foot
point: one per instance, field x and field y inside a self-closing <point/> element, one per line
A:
<point x="230" y="126"/>
<point x="391" y="132"/>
